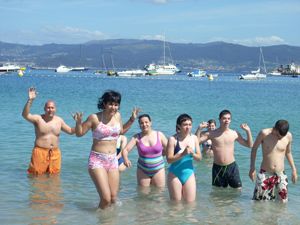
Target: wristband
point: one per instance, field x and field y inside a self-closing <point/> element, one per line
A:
<point x="130" y="119"/>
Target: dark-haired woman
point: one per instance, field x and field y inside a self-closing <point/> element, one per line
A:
<point x="151" y="147"/>
<point x="106" y="126"/>
<point x="182" y="148"/>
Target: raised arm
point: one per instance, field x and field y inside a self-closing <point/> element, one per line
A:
<point x="129" y="123"/>
<point x="65" y="128"/>
<point x="204" y="136"/>
<point x="290" y="159"/>
<point x="201" y="126"/>
<point x="26" y="111"/>
<point x="249" y="142"/>
<point x="82" y="128"/>
<point x="258" y="141"/>
<point x="131" y="144"/>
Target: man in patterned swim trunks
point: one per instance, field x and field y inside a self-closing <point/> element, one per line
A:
<point x="46" y="155"/>
<point x="272" y="182"/>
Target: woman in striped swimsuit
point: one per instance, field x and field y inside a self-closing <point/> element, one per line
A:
<point x="151" y="147"/>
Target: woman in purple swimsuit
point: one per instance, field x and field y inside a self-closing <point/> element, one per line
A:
<point x="106" y="126"/>
<point x="151" y="147"/>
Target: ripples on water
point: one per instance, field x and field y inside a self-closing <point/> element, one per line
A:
<point x="70" y="197"/>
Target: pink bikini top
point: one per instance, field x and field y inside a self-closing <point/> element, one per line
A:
<point x="106" y="133"/>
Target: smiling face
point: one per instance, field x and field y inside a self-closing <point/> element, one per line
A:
<point x="145" y="123"/>
<point x="211" y="126"/>
<point x="111" y="107"/>
<point x="225" y="120"/>
<point x="50" y="109"/>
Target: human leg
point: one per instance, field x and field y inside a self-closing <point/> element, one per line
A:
<point x="189" y="189"/>
<point x="142" y="179"/>
<point x="113" y="180"/>
<point x="174" y="187"/>
<point x="159" y="179"/>
<point x="100" y="179"/>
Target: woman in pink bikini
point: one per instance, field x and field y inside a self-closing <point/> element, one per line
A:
<point x="106" y="126"/>
<point x="151" y="147"/>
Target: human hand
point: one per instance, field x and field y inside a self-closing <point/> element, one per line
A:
<point x="77" y="117"/>
<point x="135" y="112"/>
<point x="127" y="163"/>
<point x="294" y="177"/>
<point x="245" y="127"/>
<point x="252" y="174"/>
<point x="31" y="93"/>
<point x="203" y="125"/>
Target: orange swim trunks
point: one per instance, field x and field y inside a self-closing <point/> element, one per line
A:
<point x="45" y="160"/>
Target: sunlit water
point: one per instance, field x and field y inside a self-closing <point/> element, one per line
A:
<point x="70" y="197"/>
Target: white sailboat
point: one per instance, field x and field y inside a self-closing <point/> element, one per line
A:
<point x="164" y="69"/>
<point x="256" y="73"/>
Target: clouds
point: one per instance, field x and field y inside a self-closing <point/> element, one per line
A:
<point x="252" y="42"/>
<point x="60" y="35"/>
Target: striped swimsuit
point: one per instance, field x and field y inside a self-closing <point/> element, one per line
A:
<point x="150" y="158"/>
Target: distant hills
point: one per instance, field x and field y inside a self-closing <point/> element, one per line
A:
<point x="133" y="53"/>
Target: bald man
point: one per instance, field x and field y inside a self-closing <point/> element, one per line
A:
<point x="46" y="156"/>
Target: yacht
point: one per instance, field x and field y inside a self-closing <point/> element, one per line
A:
<point x="62" y="69"/>
<point x="8" y="68"/>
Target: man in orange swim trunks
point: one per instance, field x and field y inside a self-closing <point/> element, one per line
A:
<point x="46" y="155"/>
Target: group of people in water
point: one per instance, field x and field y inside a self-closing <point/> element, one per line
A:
<point x="109" y="151"/>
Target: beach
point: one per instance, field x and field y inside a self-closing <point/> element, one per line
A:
<point x="70" y="196"/>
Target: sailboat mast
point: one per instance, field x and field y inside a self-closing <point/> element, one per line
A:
<point x="164" y="48"/>
<point x="80" y="56"/>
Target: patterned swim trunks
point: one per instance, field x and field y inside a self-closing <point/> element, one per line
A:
<point x="271" y="186"/>
<point x="105" y="161"/>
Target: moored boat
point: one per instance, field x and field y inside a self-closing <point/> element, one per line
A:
<point x="8" y="68"/>
<point x="80" y="69"/>
<point x="62" y="69"/>
<point x="197" y="73"/>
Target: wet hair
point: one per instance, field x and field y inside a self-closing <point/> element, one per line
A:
<point x="282" y="126"/>
<point x="144" y="115"/>
<point x="109" y="96"/>
<point x="181" y="119"/>
<point x="212" y="121"/>
<point x="224" y="112"/>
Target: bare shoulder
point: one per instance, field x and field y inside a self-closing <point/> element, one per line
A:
<point x="289" y="136"/>
<point x="172" y="138"/>
<point x="118" y="115"/>
<point x="93" y="117"/>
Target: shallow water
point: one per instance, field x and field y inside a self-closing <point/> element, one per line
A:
<point x="70" y="196"/>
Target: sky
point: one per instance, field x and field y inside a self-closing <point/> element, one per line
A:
<point x="245" y="22"/>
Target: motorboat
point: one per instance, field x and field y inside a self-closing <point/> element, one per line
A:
<point x="80" y="69"/>
<point x="62" y="69"/>
<point x="166" y="69"/>
<point x="197" y="73"/>
<point x="8" y="68"/>
<point x="131" y="73"/>
<point x="248" y="77"/>
<point x="274" y="73"/>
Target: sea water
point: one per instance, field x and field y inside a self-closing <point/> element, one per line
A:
<point x="70" y="196"/>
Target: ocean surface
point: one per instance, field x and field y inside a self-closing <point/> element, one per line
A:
<point x="70" y="196"/>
